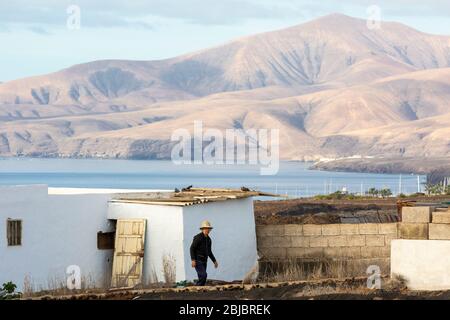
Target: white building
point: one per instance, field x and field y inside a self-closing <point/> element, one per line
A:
<point x="44" y="230"/>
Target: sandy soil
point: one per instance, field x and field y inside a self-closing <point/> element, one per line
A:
<point x="297" y="294"/>
<point x="349" y="289"/>
<point x="326" y="289"/>
<point x="314" y="211"/>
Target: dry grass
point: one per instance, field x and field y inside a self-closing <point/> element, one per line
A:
<point x="153" y="278"/>
<point x="252" y="275"/>
<point x="169" y="269"/>
<point x="395" y="283"/>
<point x="57" y="285"/>
<point x="152" y="281"/>
<point x="28" y="287"/>
<point x="293" y="270"/>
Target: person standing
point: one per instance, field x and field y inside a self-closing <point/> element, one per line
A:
<point x="200" y="251"/>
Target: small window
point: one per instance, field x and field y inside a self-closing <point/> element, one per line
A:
<point x="14" y="232"/>
<point x="105" y="240"/>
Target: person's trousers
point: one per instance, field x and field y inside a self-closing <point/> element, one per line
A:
<point x="200" y="267"/>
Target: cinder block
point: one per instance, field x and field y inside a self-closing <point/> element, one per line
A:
<point x="418" y="231"/>
<point x="276" y="230"/>
<point x="331" y="229"/>
<point x="269" y="230"/>
<point x="373" y="240"/>
<point x="416" y="214"/>
<point x="439" y="231"/>
<point x="352" y="253"/>
<point x="309" y="253"/>
<point x="295" y="252"/>
<point x="356" y="240"/>
<point x="343" y="252"/>
<point x="441" y="217"/>
<point x="312" y="229"/>
<point x="388" y="228"/>
<point x="375" y="252"/>
<point x="261" y="230"/>
<point x="264" y="241"/>
<point x="388" y="238"/>
<point x="293" y="229"/>
<point x="275" y="253"/>
<point x="337" y="241"/>
<point x="300" y="241"/>
<point x="349" y="228"/>
<point x="368" y="228"/>
<point x="281" y="242"/>
<point x="318" y="241"/>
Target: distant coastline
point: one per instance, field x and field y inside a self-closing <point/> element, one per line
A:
<point x="436" y="169"/>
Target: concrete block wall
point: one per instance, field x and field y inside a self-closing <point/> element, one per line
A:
<point x="420" y="256"/>
<point x="439" y="228"/>
<point x="327" y="241"/>
<point x="425" y="223"/>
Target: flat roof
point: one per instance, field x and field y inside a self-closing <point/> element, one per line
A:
<point x="189" y="196"/>
<point x="68" y="191"/>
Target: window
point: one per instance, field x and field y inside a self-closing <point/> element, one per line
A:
<point x="14" y="232"/>
<point x="105" y="240"/>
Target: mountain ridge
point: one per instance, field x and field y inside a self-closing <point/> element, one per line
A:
<point x="320" y="83"/>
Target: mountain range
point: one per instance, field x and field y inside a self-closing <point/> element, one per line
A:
<point x="332" y="86"/>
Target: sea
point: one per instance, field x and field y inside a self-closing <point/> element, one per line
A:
<point x="294" y="179"/>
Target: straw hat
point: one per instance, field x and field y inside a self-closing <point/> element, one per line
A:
<point x="206" y="225"/>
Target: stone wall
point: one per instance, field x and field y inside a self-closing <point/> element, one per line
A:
<point x="367" y="243"/>
<point x="424" y="222"/>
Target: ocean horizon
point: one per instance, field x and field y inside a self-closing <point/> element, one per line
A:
<point x="294" y="179"/>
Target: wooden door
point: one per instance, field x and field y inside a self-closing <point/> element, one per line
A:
<point x="128" y="253"/>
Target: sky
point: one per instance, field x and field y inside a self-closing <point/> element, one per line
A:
<point x="43" y="36"/>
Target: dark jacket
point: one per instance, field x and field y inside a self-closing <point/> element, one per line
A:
<point x="201" y="248"/>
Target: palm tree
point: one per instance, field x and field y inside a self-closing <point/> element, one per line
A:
<point x="429" y="188"/>
<point x="386" y="192"/>
<point x="433" y="189"/>
<point x="372" y="192"/>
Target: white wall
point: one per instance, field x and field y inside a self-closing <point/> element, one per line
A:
<point x="164" y="235"/>
<point x="233" y="237"/>
<point x="170" y="230"/>
<point x="61" y="230"/>
<point x="58" y="231"/>
<point x="425" y="264"/>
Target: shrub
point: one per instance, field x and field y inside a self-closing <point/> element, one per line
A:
<point x="8" y="291"/>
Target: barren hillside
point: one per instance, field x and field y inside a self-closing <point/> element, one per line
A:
<point x="332" y="86"/>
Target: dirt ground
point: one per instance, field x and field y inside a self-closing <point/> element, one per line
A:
<point x="350" y="289"/>
<point x="318" y="211"/>
<point x="325" y="289"/>
<point x="293" y="293"/>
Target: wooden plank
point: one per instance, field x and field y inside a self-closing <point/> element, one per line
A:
<point x="14" y="232"/>
<point x="19" y="233"/>
<point x="128" y="253"/>
<point x="8" y="232"/>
